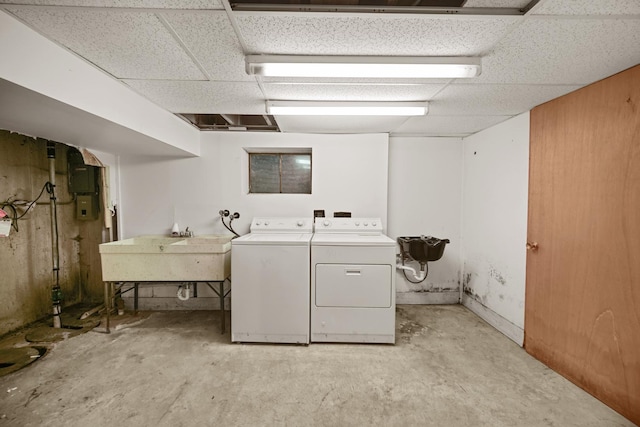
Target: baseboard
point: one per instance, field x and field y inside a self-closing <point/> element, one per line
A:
<point x="513" y="332"/>
<point x="428" y="297"/>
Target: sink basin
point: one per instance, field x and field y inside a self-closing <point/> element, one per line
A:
<point x="166" y="259"/>
<point x="422" y="249"/>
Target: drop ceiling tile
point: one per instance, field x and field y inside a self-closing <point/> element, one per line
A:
<point x="447" y="125"/>
<point x="349" y="92"/>
<point x="493" y="100"/>
<point x="563" y="51"/>
<point x="160" y="4"/>
<point x="337" y="124"/>
<point x="125" y="44"/>
<point x="372" y="35"/>
<point x="202" y="97"/>
<point x="588" y="7"/>
<point x="212" y="40"/>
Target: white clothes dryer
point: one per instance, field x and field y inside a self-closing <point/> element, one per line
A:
<point x="270" y="270"/>
<point x="353" y="293"/>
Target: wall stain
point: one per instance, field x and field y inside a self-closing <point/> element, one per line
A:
<point x="495" y="274"/>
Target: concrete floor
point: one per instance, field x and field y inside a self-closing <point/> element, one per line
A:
<point x="448" y="368"/>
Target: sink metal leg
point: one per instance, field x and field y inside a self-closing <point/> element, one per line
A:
<point x="222" y="322"/>
<point x="221" y="294"/>
<point x="107" y="300"/>
<point x="135" y="297"/>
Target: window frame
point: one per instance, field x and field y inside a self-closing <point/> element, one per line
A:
<point x="280" y="153"/>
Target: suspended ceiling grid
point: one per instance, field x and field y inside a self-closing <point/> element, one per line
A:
<point x="188" y="56"/>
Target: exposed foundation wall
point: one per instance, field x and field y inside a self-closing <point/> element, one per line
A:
<point x="26" y="256"/>
<point x="494" y="224"/>
<point x="425" y="182"/>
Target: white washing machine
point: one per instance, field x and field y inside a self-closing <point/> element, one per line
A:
<point x="353" y="292"/>
<point x="270" y="270"/>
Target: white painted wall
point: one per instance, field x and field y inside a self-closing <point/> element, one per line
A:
<point x="349" y="173"/>
<point x="38" y="64"/>
<point x="425" y="186"/>
<point x="494" y="224"/>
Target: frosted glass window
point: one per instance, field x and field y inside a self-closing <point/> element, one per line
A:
<point x="280" y="173"/>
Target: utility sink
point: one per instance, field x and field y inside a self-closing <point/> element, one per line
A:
<point x="422" y="249"/>
<point x="166" y="259"/>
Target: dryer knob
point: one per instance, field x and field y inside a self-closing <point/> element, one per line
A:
<point x="366" y="223"/>
<point x="266" y="223"/>
<point x="257" y="222"/>
<point x="300" y="223"/>
<point x="374" y="223"/>
<point x="357" y="224"/>
<point x="326" y="223"/>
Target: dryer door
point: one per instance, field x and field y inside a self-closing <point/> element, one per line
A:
<point x="353" y="285"/>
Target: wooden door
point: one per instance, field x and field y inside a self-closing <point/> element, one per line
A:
<point x="582" y="309"/>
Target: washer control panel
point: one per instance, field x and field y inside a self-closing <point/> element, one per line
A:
<point x="281" y="225"/>
<point x="348" y="225"/>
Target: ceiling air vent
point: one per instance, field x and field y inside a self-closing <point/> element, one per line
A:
<point x="232" y="122"/>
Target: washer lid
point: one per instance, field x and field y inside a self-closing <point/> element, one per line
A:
<point x="273" y="239"/>
<point x="351" y="239"/>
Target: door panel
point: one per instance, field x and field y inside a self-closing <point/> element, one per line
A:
<point x="582" y="310"/>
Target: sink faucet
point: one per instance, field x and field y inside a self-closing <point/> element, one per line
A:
<point x="187" y="233"/>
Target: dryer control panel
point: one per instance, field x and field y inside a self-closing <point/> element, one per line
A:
<point x="348" y="225"/>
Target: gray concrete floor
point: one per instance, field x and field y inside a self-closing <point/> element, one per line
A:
<point x="448" y="368"/>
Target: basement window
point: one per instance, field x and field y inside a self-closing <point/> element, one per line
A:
<point x="278" y="172"/>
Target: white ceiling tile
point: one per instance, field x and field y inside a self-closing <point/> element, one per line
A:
<point x="497" y="3"/>
<point x="588" y="7"/>
<point x="493" y="100"/>
<point x="212" y="40"/>
<point x="372" y="35"/>
<point x="337" y="124"/>
<point x="160" y="4"/>
<point x="348" y="92"/>
<point x="447" y="125"/>
<point x="203" y="97"/>
<point x="563" y="51"/>
<point x="125" y="44"/>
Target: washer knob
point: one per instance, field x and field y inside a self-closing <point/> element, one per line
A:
<point x="357" y="224"/>
<point x="326" y="223"/>
<point x="374" y="223"/>
<point x="257" y="222"/>
<point x="366" y="223"/>
<point x="300" y="223"/>
<point x="266" y="223"/>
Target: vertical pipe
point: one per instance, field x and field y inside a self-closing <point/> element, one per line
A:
<point x="55" y="290"/>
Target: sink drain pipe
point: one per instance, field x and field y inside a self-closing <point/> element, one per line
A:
<point x="56" y="293"/>
<point x="183" y="292"/>
<point x="417" y="276"/>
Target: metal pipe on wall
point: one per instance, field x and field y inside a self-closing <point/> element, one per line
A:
<point x="56" y="294"/>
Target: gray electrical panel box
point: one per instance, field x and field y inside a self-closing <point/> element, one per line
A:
<point x="83" y="179"/>
<point x="86" y="207"/>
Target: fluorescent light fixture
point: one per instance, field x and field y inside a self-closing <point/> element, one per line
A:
<point x="346" y="108"/>
<point x="411" y="67"/>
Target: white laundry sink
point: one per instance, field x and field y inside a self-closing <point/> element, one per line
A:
<point x="166" y="259"/>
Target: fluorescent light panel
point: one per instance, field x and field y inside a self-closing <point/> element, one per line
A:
<point x="363" y="66"/>
<point x="324" y="108"/>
